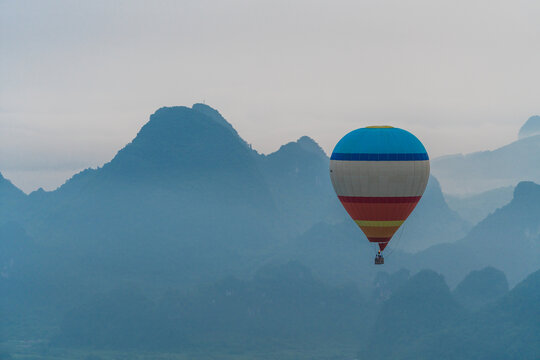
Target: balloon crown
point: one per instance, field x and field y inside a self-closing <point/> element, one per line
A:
<point x="379" y="127"/>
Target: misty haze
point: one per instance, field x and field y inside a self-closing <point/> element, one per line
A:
<point x="258" y="180"/>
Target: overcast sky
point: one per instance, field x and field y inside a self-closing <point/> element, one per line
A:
<point x="79" y="78"/>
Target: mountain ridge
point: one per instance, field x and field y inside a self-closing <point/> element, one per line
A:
<point x="531" y="127"/>
<point x="508" y="239"/>
<point x="487" y="170"/>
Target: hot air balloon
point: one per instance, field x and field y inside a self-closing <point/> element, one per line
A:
<point x="379" y="174"/>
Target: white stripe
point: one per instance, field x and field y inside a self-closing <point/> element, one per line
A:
<point x="379" y="178"/>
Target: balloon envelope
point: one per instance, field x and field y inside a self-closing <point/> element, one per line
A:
<point x="379" y="174"/>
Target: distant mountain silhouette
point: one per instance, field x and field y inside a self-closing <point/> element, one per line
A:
<point x="531" y="127"/>
<point x="476" y="207"/>
<point x="481" y="287"/>
<point x="11" y="200"/>
<point x="412" y="317"/>
<point x="432" y="222"/>
<point x="517" y="313"/>
<point x="422" y="320"/>
<point x="186" y="201"/>
<point x="505" y="329"/>
<point x="487" y="170"/>
<point x="520" y="307"/>
<point x="186" y="190"/>
<point x="9" y="192"/>
<point x="297" y="175"/>
<point x="508" y="239"/>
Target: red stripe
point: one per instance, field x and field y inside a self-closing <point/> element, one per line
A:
<point x="382" y="245"/>
<point x="380" y="211"/>
<point x="380" y="199"/>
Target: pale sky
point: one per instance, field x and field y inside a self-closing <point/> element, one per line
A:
<point x="79" y="78"/>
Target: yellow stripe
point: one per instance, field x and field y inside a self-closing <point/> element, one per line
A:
<point x="379" y="231"/>
<point x="379" y="223"/>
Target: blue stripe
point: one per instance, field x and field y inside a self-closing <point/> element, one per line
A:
<point x="379" y="157"/>
<point x="379" y="141"/>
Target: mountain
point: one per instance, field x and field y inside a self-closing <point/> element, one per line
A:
<point x="508" y="239"/>
<point x="422" y="320"/>
<point x="9" y="192"/>
<point x="196" y="154"/>
<point x="411" y="319"/>
<point x="11" y="200"/>
<point x="517" y="313"/>
<point x="488" y="170"/>
<point x="531" y="127"/>
<point x="432" y="222"/>
<point x="184" y="201"/>
<point x="476" y="207"/>
<point x="507" y="328"/>
<point x="297" y="176"/>
<point x="187" y="201"/>
<point x="481" y="287"/>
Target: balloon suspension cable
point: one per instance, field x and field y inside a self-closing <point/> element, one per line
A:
<point x="393" y="248"/>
